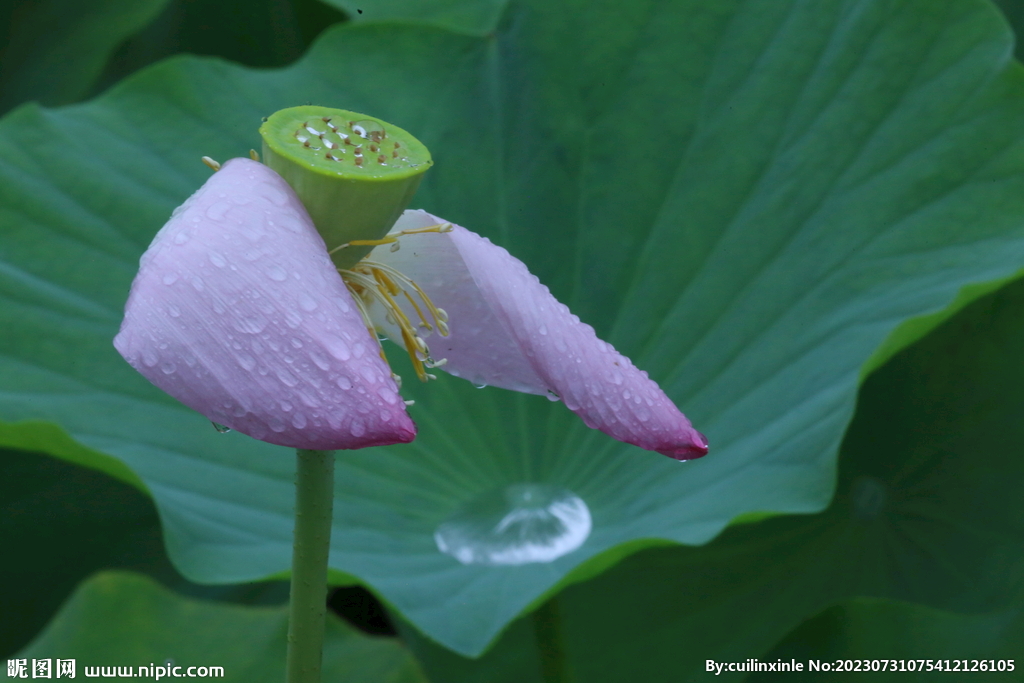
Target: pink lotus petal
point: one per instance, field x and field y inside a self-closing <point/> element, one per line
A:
<point x="238" y="312"/>
<point x="508" y="331"/>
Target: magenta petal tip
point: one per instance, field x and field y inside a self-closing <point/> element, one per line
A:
<point x="698" y="448"/>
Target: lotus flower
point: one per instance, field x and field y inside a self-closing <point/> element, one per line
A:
<point x="239" y="313"/>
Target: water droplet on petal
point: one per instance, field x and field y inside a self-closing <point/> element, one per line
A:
<point x="307" y="303"/>
<point x="173" y="311"/>
<point x="515" y="525"/>
<point x="337" y="348"/>
<point x="319" y="360"/>
<point x="217" y="260"/>
<point x="276" y="424"/>
<point x="298" y="421"/>
<point x="344" y="382"/>
<point x="286" y="377"/>
<point x="168" y="368"/>
<point x="277" y="273"/>
<point x="217" y="211"/>
<point x="170" y="278"/>
<point x="357" y="428"/>
<point x="252" y="324"/>
<point x="149" y="358"/>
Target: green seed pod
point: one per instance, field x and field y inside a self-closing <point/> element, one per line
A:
<point x="355" y="174"/>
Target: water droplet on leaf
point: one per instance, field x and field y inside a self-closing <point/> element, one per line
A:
<point x="515" y="525"/>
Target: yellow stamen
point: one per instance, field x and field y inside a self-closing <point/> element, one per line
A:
<point x="215" y="165"/>
<point x="370" y="280"/>
<point x="392" y="237"/>
<point x="439" y="315"/>
<point x="424" y="323"/>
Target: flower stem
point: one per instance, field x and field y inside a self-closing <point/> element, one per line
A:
<point x="314" y="502"/>
<point x="547" y="629"/>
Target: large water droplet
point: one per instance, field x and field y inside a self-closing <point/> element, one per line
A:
<point x="287" y="378"/>
<point x="518" y="524"/>
<point x="337" y="348"/>
<point x="217" y="211"/>
<point x="306" y="302"/>
<point x="253" y="324"/>
<point x="320" y="361"/>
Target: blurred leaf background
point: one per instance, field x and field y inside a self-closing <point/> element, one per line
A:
<point x="920" y="553"/>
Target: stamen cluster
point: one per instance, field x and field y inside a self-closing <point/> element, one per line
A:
<point x="370" y="281"/>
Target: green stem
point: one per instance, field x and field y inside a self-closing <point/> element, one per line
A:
<point x="314" y="502"/>
<point x="547" y="622"/>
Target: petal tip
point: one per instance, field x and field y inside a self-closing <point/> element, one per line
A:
<point x="697" y="448"/>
